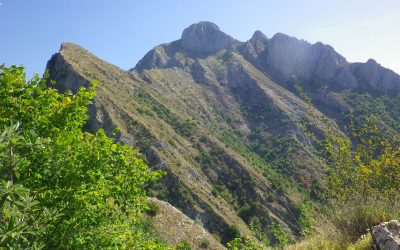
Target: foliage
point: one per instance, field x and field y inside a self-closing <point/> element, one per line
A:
<point x="280" y="234"/>
<point x="183" y="245"/>
<point x="363" y="181"/>
<point x="386" y="108"/>
<point x="63" y="188"/>
<point x="22" y="219"/>
<point x="259" y="228"/>
<point x="353" y="218"/>
<point x="332" y="241"/>
<point x="152" y="208"/>
<point x="373" y="166"/>
<point x="364" y="161"/>
<point x="245" y="243"/>
<point x="230" y="233"/>
<point x="307" y="218"/>
<point x="277" y="180"/>
<point x="184" y="127"/>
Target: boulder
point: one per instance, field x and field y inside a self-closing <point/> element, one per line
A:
<point x="387" y="235"/>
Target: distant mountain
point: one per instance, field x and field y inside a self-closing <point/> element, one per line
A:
<point x="223" y="119"/>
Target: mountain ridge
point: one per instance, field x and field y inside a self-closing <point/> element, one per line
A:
<point x="225" y="123"/>
<point x="285" y="56"/>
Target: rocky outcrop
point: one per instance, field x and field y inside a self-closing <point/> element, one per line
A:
<point x="59" y="68"/>
<point x="67" y="78"/>
<point x="287" y="56"/>
<point x="283" y="56"/>
<point x="387" y="235"/>
<point x="205" y="37"/>
<point x="175" y="227"/>
<point x="255" y="47"/>
<point x="372" y="76"/>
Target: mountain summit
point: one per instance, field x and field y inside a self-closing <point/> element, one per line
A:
<point x="205" y="37"/>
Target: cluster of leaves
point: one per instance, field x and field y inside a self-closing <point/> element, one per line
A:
<point x="307" y="219"/>
<point x="369" y="166"/>
<point x="280" y="234"/>
<point x="245" y="243"/>
<point x="183" y="245"/>
<point x="62" y="188"/>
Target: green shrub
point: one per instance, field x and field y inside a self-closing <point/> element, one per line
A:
<point x="280" y="234"/>
<point x="307" y="218"/>
<point x="204" y="244"/>
<point x="183" y="245"/>
<point x="152" y="208"/>
<point x="245" y="243"/>
<point x="362" y="185"/>
<point x="230" y="233"/>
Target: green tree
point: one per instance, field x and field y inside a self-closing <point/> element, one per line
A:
<point x="67" y="188"/>
<point x="362" y="164"/>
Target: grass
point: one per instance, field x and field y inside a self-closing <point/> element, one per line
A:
<point x="277" y="180"/>
<point x="184" y="127"/>
<point x="333" y="242"/>
<point x="347" y="225"/>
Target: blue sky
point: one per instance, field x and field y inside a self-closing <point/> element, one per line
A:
<point x="122" y="31"/>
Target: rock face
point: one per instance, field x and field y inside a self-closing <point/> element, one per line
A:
<point x="280" y="57"/>
<point x="283" y="56"/>
<point x="205" y="37"/>
<point x="387" y="235"/>
<point x="376" y="77"/>
<point x="61" y="69"/>
<point x="287" y="56"/>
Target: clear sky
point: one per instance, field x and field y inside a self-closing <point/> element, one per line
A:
<point x="122" y="31"/>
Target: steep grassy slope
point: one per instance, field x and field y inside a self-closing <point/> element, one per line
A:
<point x="192" y="131"/>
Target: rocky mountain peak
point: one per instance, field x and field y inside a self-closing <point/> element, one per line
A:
<point x="68" y="45"/>
<point x="205" y="37"/>
<point x="258" y="36"/>
<point x="372" y="62"/>
<point x="259" y="41"/>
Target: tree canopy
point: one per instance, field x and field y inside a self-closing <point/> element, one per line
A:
<point x="61" y="187"/>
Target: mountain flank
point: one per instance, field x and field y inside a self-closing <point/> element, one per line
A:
<point x="223" y="119"/>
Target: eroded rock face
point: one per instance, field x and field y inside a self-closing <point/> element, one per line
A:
<point x="288" y="56"/>
<point x="387" y="235"/>
<point x="205" y="37"/>
<point x="60" y="69"/>
<point x="280" y="57"/>
<point x="374" y="76"/>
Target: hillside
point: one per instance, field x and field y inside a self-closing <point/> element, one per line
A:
<point x="222" y="118"/>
